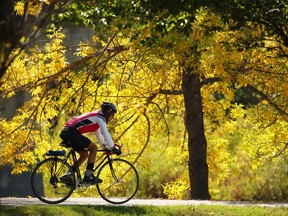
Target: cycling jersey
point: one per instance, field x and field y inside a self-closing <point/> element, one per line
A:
<point x="92" y="122"/>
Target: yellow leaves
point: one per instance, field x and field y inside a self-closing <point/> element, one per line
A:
<point x="19" y="8"/>
<point x="85" y="50"/>
<point x="25" y="137"/>
<point x="34" y="72"/>
<point x="133" y="81"/>
<point x="32" y="9"/>
<point x="259" y="141"/>
<point x="20" y="143"/>
<point x="237" y="111"/>
<point x="219" y="70"/>
<point x="19" y="168"/>
<point x="285" y="89"/>
<point x="26" y="156"/>
<point x="243" y="80"/>
<point x="230" y="126"/>
<point x="176" y="190"/>
<point x="57" y="35"/>
<point x="221" y="162"/>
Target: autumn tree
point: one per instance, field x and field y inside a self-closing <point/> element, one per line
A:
<point x="183" y="60"/>
<point x="189" y="32"/>
<point x="44" y="75"/>
<point x="21" y="23"/>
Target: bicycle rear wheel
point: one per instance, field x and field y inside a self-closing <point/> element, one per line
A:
<point x="120" y="181"/>
<point x="51" y="189"/>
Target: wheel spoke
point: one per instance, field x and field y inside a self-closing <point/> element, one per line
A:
<point x="120" y="183"/>
<point x="46" y="183"/>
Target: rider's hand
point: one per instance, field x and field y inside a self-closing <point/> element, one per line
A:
<point x="104" y="146"/>
<point x="116" y="151"/>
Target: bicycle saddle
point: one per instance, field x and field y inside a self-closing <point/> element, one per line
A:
<point x="55" y="153"/>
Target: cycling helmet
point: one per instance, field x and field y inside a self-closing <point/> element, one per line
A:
<point x="108" y="108"/>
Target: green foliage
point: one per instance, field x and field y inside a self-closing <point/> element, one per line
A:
<point x="272" y="14"/>
<point x="258" y="153"/>
<point x="141" y="210"/>
<point x="266" y="183"/>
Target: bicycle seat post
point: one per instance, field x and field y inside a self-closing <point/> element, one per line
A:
<point x="74" y="159"/>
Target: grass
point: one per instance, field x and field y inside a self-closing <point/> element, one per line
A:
<point x="79" y="210"/>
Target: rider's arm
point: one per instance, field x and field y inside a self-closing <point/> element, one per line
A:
<point x="100" y="137"/>
<point x="103" y="132"/>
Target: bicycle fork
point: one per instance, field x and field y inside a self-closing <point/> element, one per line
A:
<point x="112" y="170"/>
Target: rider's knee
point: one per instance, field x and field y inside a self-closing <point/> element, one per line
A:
<point x="92" y="147"/>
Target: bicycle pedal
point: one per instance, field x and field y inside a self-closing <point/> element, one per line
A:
<point x="83" y="185"/>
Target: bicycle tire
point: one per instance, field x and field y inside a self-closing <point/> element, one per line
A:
<point x="51" y="189"/>
<point x="121" y="191"/>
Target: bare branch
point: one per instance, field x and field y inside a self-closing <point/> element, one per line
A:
<point x="280" y="151"/>
<point x="147" y="139"/>
<point x="171" y="92"/>
<point x="180" y="91"/>
<point x="266" y="97"/>
<point x="208" y="81"/>
<point x="124" y="131"/>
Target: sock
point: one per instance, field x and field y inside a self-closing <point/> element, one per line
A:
<point x="90" y="166"/>
<point x="88" y="172"/>
<point x="89" y="169"/>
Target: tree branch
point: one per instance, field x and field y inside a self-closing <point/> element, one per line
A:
<point x="266" y="97"/>
<point x="171" y="92"/>
<point x="280" y="151"/>
<point x="209" y="81"/>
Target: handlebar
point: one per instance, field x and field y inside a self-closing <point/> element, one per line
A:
<point x="108" y="151"/>
<point x="118" y="146"/>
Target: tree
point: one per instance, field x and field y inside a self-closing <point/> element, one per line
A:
<point x="167" y="19"/>
<point x="21" y="23"/>
<point x="270" y="14"/>
<point x="177" y="55"/>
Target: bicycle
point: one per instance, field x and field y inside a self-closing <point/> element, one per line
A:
<point x="120" y="179"/>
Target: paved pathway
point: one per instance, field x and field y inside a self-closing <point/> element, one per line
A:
<point x="155" y="202"/>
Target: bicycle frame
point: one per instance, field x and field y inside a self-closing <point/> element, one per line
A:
<point x="107" y="157"/>
<point x="116" y="188"/>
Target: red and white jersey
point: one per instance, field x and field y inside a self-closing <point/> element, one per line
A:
<point x="92" y="122"/>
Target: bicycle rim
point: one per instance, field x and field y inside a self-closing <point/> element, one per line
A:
<point x="48" y="187"/>
<point x="120" y="183"/>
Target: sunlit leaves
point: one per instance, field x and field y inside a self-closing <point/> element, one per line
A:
<point x="177" y="190"/>
<point x="36" y="74"/>
<point x="145" y="84"/>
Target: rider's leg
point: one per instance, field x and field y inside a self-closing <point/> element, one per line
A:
<point x="91" y="158"/>
<point x="89" y="177"/>
<point x="93" y="150"/>
<point x="83" y="156"/>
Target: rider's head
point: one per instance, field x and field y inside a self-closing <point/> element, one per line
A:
<point x="108" y="109"/>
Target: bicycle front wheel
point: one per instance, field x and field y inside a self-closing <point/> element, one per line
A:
<point x="51" y="189"/>
<point x="120" y="181"/>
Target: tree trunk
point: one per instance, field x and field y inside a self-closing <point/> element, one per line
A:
<point x="197" y="145"/>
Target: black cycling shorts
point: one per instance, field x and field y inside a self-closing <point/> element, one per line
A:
<point x="77" y="140"/>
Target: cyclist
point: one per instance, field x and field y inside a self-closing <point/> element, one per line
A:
<point x="73" y="131"/>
